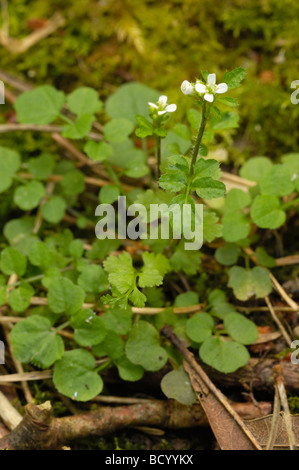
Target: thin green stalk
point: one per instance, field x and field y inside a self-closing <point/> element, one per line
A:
<point x="113" y="176"/>
<point x="62" y="326"/>
<point x="66" y="119"/>
<point x="158" y="140"/>
<point x="290" y="204"/>
<point x="205" y="116"/>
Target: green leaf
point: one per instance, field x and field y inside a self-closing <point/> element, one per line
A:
<point x="84" y="100"/>
<point x="154" y="269"/>
<point x="128" y="371"/>
<point x="207" y="188"/>
<point x="136" y="169"/>
<point x="137" y="298"/>
<point x="145" y="127"/>
<point x="19" y="298"/>
<point x="176" y="384"/>
<point x="183" y="131"/>
<point x="211" y="229"/>
<point x="225" y="356"/>
<point x="53" y="210"/>
<point x="264" y="259"/>
<point x="187" y="261"/>
<point x="65" y="297"/>
<point x="118" y="320"/>
<point x="236" y="226"/>
<point x="240" y="328"/>
<point x="10" y="162"/>
<point x="255" y="168"/>
<point x="93" y="279"/>
<point x="130" y="100"/>
<point x="13" y="262"/>
<point x="237" y="199"/>
<point x="109" y="194"/>
<point x="228" y="101"/>
<point x="143" y="347"/>
<point x="28" y="196"/>
<point x="248" y="282"/>
<point x="121" y="272"/>
<point x="118" y="130"/>
<point x="33" y="341"/>
<point x="266" y="212"/>
<point x="277" y="181"/>
<point x="41" y="167"/>
<point x="74" y="376"/>
<point x="173" y="181"/>
<point x="39" y="106"/>
<point x="89" y="328"/>
<point x="227" y="120"/>
<point x="222" y="309"/>
<point x="194" y="117"/>
<point x="228" y="254"/>
<point x="206" y="168"/>
<point x="76" y="249"/>
<point x="112" y="346"/>
<point x="98" y="151"/>
<point x="80" y="128"/>
<point x="186" y="299"/>
<point x="73" y="183"/>
<point x="199" y="327"/>
<point x="234" y="78"/>
<point x="40" y="254"/>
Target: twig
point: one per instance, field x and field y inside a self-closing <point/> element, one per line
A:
<point x="18" y="46"/>
<point x="9" y="415"/>
<point x="4" y="128"/>
<point x="274" y="422"/>
<point x="215" y="404"/>
<point x="278" y="322"/>
<point x="26" y="376"/>
<point x="279" y="384"/>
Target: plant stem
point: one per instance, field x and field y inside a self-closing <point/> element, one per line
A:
<point x="290" y="204"/>
<point x="158" y="140"/>
<point x="199" y="137"/>
<point x="62" y="326"/>
<point x="113" y="176"/>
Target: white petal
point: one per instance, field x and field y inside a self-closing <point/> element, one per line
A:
<point x="221" y="88"/>
<point x="200" y="88"/>
<point x="162" y="112"/>
<point x="152" y="105"/>
<point x="163" y="99"/>
<point x="211" y="79"/>
<point x="187" y="88"/>
<point x="170" y="108"/>
<point x="209" y="97"/>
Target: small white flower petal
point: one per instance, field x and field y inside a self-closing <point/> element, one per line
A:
<point x="187" y="88"/>
<point x="221" y="88"/>
<point x="211" y="79"/>
<point x="163" y="99"/>
<point x="200" y="88"/>
<point x="170" y="108"/>
<point x="162" y="112"/>
<point x="209" y="97"/>
<point x="152" y="105"/>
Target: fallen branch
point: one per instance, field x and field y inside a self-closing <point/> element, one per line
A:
<point x="39" y="430"/>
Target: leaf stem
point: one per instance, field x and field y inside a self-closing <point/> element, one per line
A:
<point x="158" y="140"/>
<point x="290" y="204"/>
<point x="205" y="116"/>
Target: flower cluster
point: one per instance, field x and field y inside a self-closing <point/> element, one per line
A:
<point x="208" y="90"/>
<point x="161" y="107"/>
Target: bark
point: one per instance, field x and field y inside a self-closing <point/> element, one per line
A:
<point x="40" y="430"/>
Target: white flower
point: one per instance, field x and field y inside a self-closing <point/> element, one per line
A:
<point x="162" y="107"/>
<point x="210" y="89"/>
<point x="187" y="88"/>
